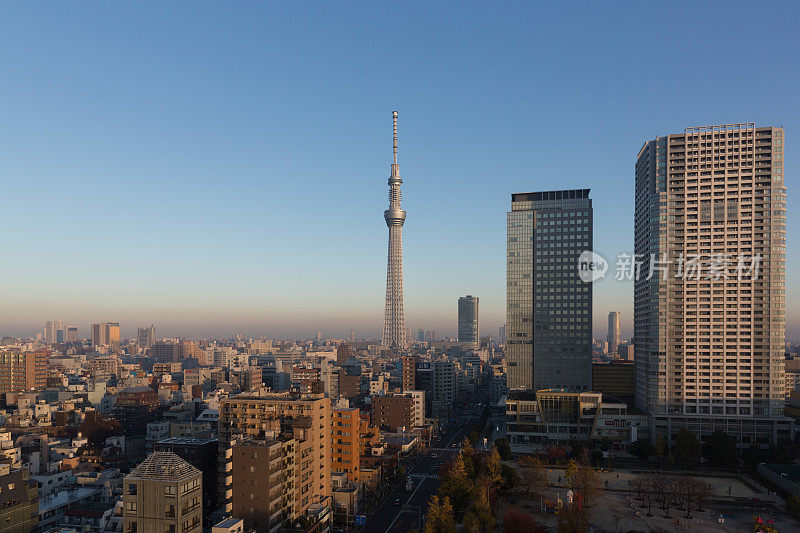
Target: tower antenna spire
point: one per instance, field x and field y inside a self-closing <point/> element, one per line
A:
<point x="394" y="141"/>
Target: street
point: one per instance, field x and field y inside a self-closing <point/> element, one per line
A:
<point x="389" y="517"/>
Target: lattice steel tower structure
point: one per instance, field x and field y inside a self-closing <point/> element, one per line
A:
<point x="394" y="320"/>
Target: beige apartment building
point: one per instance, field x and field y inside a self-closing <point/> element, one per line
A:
<point x="163" y="494"/>
<point x="709" y="298"/>
<point x="305" y="419"/>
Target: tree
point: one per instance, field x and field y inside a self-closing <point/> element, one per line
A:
<point x="479" y="518"/>
<point x="584" y="482"/>
<point x="504" y="448"/>
<point x="573" y="519"/>
<point x="753" y="455"/>
<point x="556" y="454"/>
<point x="457" y="486"/>
<point x="686" y="449"/>
<point x="469" y="464"/>
<point x="494" y="468"/>
<point x="720" y="449"/>
<point x="596" y="457"/>
<point x="515" y="521"/>
<point x="510" y="477"/>
<point x="577" y="447"/>
<point x="533" y="474"/>
<point x="440" y="517"/>
<point x="642" y="449"/>
<point x="793" y="504"/>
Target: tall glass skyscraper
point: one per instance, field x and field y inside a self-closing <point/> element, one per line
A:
<point x="468" y="327"/>
<point x="549" y="308"/>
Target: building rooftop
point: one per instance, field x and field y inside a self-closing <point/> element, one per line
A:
<point x="550" y="195"/>
<point x="165" y="466"/>
<point x="187" y="440"/>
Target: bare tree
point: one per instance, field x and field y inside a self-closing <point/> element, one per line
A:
<point x="533" y="474"/>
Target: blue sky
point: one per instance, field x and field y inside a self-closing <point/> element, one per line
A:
<point x="216" y="167"/>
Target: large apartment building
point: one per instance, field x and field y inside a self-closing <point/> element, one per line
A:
<point x="549" y="308"/>
<point x="709" y="300"/>
<point x="306" y="419"/>
<point x="263" y="483"/>
<point x="345" y="446"/>
<point x="22" y="371"/>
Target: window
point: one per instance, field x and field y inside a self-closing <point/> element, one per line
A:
<point x="131" y="506"/>
<point x="132" y="488"/>
<point x="170" y="490"/>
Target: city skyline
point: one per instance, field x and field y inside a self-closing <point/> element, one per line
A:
<point x="203" y="146"/>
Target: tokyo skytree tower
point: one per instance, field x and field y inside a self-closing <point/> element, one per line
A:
<point x="394" y="320"/>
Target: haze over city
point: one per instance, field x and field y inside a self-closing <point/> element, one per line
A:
<point x="216" y="171"/>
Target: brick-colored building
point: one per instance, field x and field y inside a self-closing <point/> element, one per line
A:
<point x="22" y="371"/>
<point x="349" y="385"/>
<point x="392" y="412"/>
<point x="345" y="436"/>
<point x="263" y="482"/>
<point x="344" y="352"/>
<point x="409" y="372"/>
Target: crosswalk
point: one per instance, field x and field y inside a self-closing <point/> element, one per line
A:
<point x="423" y="476"/>
<point x="444" y="449"/>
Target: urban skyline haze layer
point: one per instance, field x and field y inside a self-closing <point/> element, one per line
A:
<point x="216" y="171"/>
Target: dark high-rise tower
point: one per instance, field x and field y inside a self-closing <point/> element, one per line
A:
<point x="394" y="322"/>
<point x="468" y="330"/>
<point x="549" y="313"/>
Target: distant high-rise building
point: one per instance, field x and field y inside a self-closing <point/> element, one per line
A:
<point x="394" y="322"/>
<point x="22" y="371"/>
<point x="163" y="493"/>
<point x="468" y="320"/>
<point x="549" y="308"/>
<point x="352" y="336"/>
<point x="112" y="333"/>
<point x="420" y="334"/>
<point x="72" y="334"/>
<point x="709" y="302"/>
<point x="501" y="334"/>
<point x="146" y="336"/>
<point x="614" y="331"/>
<point x="319" y="336"/>
<point x="105" y="334"/>
<point x="98" y="335"/>
<point x="51" y="329"/>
